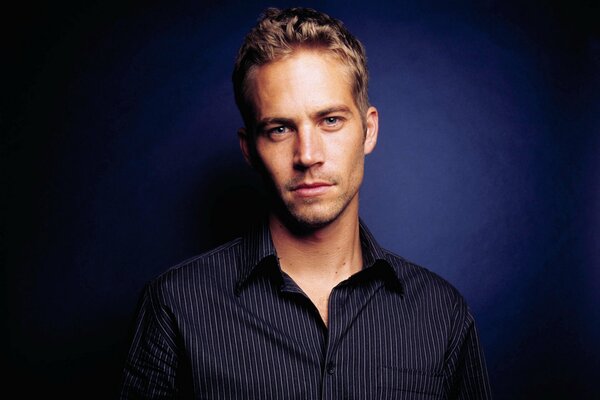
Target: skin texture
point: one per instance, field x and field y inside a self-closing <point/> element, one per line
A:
<point x="310" y="143"/>
<point x="310" y="131"/>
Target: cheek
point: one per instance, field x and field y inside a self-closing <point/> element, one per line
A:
<point x="273" y="162"/>
<point x="354" y="165"/>
<point x="351" y="155"/>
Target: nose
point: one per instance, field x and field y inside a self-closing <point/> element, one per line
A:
<point x="309" y="149"/>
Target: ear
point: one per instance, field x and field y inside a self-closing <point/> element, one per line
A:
<point x="372" y="120"/>
<point x="245" y="145"/>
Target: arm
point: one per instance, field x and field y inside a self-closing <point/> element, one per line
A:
<point x="153" y="366"/>
<point x="466" y="372"/>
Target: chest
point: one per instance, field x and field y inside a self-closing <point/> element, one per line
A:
<point x="272" y="345"/>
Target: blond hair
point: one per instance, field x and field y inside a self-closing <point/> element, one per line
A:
<point x="280" y="32"/>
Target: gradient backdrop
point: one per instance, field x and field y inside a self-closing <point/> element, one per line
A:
<point x="120" y="159"/>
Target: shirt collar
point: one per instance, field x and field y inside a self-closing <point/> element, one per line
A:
<point x="257" y="249"/>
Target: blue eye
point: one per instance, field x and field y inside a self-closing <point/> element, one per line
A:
<point x="279" y="130"/>
<point x="332" y="122"/>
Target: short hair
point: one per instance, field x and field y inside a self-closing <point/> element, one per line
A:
<point x="279" y="32"/>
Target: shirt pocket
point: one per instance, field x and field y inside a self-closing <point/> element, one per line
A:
<point x="402" y="383"/>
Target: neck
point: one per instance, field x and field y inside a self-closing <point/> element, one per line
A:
<point x="330" y="254"/>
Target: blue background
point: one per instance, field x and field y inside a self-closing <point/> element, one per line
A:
<point x="120" y="159"/>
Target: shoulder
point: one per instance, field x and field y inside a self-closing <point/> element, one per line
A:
<point x="429" y="296"/>
<point x="423" y="285"/>
<point x="215" y="268"/>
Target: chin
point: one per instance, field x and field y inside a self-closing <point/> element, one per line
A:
<point x="312" y="222"/>
<point x="309" y="214"/>
<point x="313" y="219"/>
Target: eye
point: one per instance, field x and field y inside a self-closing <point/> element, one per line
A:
<point x="277" y="131"/>
<point x="332" y="122"/>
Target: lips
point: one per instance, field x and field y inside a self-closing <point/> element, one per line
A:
<point x="311" y="189"/>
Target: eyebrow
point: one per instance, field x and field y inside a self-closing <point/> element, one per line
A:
<point x="273" y="121"/>
<point x="288" y="121"/>
<point x="332" y="110"/>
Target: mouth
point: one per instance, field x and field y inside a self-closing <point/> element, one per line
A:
<point x="311" y="189"/>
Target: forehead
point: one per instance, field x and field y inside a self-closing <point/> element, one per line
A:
<point x="305" y="79"/>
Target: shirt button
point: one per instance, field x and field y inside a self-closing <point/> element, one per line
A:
<point x="330" y="368"/>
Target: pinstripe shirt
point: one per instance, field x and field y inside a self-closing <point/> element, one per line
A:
<point x="229" y="324"/>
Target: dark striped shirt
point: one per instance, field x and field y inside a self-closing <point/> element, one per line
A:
<point x="229" y="324"/>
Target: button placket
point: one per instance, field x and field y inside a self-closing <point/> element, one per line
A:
<point x="331" y="368"/>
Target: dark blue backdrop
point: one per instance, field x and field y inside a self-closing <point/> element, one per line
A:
<point x="120" y="158"/>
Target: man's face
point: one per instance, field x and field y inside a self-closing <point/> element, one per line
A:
<point x="310" y="138"/>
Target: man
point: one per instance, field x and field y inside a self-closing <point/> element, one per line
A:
<point x="306" y="306"/>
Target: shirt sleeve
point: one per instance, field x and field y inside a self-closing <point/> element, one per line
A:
<point x="466" y="372"/>
<point x="153" y="366"/>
